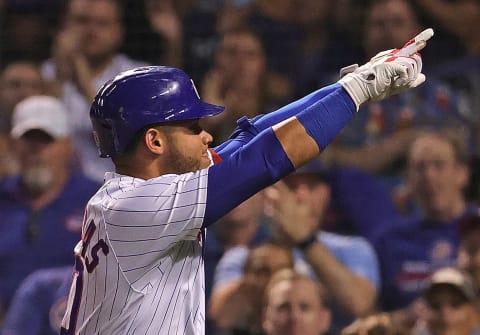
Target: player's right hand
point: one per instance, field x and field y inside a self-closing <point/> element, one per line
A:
<point x="411" y="48"/>
<point x="381" y="80"/>
<point x="387" y="73"/>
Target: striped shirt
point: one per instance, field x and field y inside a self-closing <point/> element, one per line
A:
<point x="139" y="265"/>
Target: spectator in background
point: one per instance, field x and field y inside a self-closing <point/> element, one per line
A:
<point x="324" y="49"/>
<point x="18" y="80"/>
<point x="437" y="176"/>
<point x="153" y="31"/>
<point x="376" y="324"/>
<point x="42" y="207"/>
<point x="241" y="81"/>
<point x="460" y="18"/>
<point x="451" y="309"/>
<point x="28" y="28"/>
<point x="346" y="266"/>
<point x="200" y="36"/>
<point x="237" y="305"/>
<point x="411" y="248"/>
<point x="295" y="304"/>
<point x="448" y="308"/>
<point x="348" y="18"/>
<point x="233" y="15"/>
<point x="301" y="40"/>
<point x="39" y="303"/>
<point x="281" y="36"/>
<point x="85" y="55"/>
<point x="295" y="35"/>
<point x="236" y="232"/>
<point x="392" y="24"/>
<point x="469" y="253"/>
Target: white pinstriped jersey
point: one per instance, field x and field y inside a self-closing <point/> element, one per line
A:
<point x="139" y="266"/>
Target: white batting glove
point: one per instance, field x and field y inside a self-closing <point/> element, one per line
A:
<point x="388" y="73"/>
<point x="372" y="82"/>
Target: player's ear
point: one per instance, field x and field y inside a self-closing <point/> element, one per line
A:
<point x="154" y="141"/>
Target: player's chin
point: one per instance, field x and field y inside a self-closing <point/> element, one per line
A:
<point x="204" y="162"/>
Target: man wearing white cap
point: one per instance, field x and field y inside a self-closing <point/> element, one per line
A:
<point x="450" y="298"/>
<point x="40" y="208"/>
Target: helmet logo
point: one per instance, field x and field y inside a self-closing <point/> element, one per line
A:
<point x="195" y="89"/>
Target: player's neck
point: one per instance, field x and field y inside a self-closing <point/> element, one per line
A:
<point x="139" y="168"/>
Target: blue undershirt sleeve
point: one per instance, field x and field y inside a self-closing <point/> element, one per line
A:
<point x="248" y="129"/>
<point x="295" y="107"/>
<point x="324" y="119"/>
<point x="259" y="160"/>
<point x="248" y="170"/>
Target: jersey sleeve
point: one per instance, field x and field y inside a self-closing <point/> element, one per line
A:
<point x="145" y="219"/>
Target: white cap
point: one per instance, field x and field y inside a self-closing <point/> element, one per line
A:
<point x="40" y="112"/>
<point x="452" y="277"/>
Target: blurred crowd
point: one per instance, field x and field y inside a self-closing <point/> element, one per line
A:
<point x="391" y="206"/>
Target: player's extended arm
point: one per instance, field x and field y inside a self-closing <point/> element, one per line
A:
<point x="278" y="150"/>
<point x="247" y="129"/>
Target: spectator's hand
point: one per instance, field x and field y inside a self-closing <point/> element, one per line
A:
<point x="164" y="19"/>
<point x="378" y="323"/>
<point x="213" y="87"/>
<point x="71" y="63"/>
<point x="65" y="47"/>
<point x="83" y="76"/>
<point x="292" y="219"/>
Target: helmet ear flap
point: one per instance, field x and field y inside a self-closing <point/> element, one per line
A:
<point x="104" y="139"/>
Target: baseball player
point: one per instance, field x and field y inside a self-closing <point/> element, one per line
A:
<point x="139" y="266"/>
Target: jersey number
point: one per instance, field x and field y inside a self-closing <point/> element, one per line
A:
<point x="91" y="265"/>
<point x="70" y="319"/>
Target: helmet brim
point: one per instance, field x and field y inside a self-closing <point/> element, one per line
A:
<point x="199" y="110"/>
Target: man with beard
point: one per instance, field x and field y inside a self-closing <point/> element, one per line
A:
<point x="139" y="265"/>
<point x="40" y="208"/>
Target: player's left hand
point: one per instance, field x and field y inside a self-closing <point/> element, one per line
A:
<point x="410" y="49"/>
<point x="388" y="73"/>
<point x="291" y="218"/>
<point x="377" y="81"/>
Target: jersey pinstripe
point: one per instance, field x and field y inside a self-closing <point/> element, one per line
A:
<point x="139" y="265"/>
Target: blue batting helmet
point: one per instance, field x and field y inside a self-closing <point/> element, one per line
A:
<point x="141" y="97"/>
